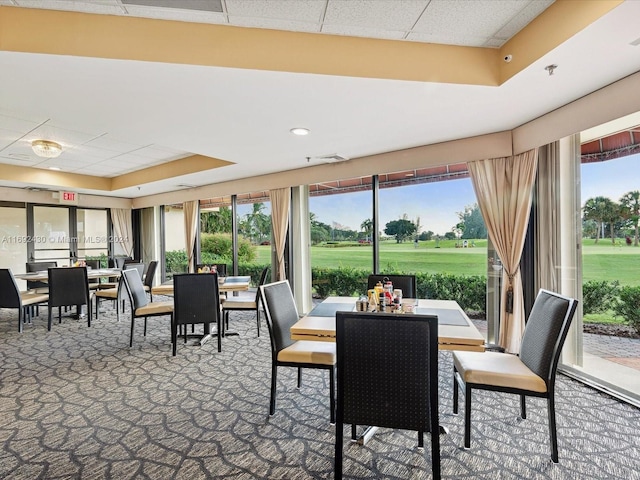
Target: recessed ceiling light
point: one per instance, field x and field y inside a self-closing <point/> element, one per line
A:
<point x="300" y="131"/>
<point x="54" y="168"/>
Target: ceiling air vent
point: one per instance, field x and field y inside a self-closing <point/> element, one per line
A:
<point x="202" y="5"/>
<point x="333" y="158"/>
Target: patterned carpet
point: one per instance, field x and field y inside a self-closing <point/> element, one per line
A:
<point x="78" y="403"/>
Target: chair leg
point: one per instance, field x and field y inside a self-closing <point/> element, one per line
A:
<point x="338" y="453"/>
<point x="332" y="393"/>
<point x="133" y="319"/>
<point x="258" y="320"/>
<point x="274" y="379"/>
<point x="435" y="451"/>
<point x="455" y="392"/>
<point x="145" y="326"/>
<point x="523" y="406"/>
<point x="21" y="314"/>
<point x="219" y="335"/>
<point x="420" y="439"/>
<point x="49" y="319"/>
<point x="60" y="315"/>
<point x="467" y="417"/>
<point x="552" y="428"/>
<point x="174" y="337"/>
<point x="299" y="377"/>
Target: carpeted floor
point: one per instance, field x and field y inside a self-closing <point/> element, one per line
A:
<point x="78" y="403"/>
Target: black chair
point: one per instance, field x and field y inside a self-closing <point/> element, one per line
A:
<point x="94" y="283"/>
<point x="282" y="313"/>
<point x="118" y="262"/>
<point x="12" y="297"/>
<point x="243" y="304"/>
<point x="533" y="373"/>
<point x="407" y="283"/>
<point x="113" y="294"/>
<point x="387" y="368"/>
<point x="140" y="304"/>
<point x="67" y="287"/>
<point x="39" y="286"/>
<point x="148" y="277"/>
<point x="196" y="300"/>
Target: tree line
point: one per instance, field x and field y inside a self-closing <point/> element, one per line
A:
<point x="602" y="216"/>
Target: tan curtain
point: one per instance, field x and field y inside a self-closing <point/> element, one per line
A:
<point x="190" y="230"/>
<point x="123" y="229"/>
<point x="503" y="187"/>
<point x="547" y="229"/>
<point x="280" y="201"/>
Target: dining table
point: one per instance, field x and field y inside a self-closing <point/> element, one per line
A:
<point x="238" y="283"/>
<point x="455" y="329"/>
<point x="92" y="273"/>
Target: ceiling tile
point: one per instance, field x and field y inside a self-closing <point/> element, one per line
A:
<point x="454" y="17"/>
<point x="176" y="14"/>
<point x="375" y="14"/>
<point x="17" y="125"/>
<point x="109" y="142"/>
<point x="109" y="8"/>
<point x="274" y="24"/>
<point x="363" y="32"/>
<point x="448" y="39"/>
<point x="303" y="11"/>
<point x="523" y="18"/>
<point x="158" y="153"/>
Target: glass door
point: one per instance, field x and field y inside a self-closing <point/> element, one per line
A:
<point x="52" y="238"/>
<point x="92" y="235"/>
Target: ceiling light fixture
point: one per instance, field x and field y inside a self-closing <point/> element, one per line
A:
<point x="46" y="148"/>
<point x="300" y="131"/>
<point x="54" y="168"/>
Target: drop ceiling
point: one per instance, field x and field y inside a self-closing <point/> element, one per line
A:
<point x="123" y="120"/>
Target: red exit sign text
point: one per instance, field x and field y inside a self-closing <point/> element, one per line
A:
<point x="69" y="197"/>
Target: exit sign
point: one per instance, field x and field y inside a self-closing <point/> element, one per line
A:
<point x="70" y="198"/>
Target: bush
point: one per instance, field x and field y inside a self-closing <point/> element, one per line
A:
<point x="176" y="261"/>
<point x="217" y="248"/>
<point x="469" y="292"/>
<point x="599" y="296"/>
<point x="627" y="306"/>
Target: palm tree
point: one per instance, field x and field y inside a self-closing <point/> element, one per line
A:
<point x="600" y="209"/>
<point x="367" y="227"/>
<point x="631" y="202"/>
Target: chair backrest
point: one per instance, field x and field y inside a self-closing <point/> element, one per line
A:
<point x="407" y="283"/>
<point x="545" y="333"/>
<point x="118" y="262"/>
<point x="38" y="267"/>
<point x="151" y="272"/>
<point x="196" y="298"/>
<point x="9" y="293"/>
<point x="135" y="288"/>
<point x="387" y="370"/>
<point x="68" y="286"/>
<point x="94" y="264"/>
<point x="281" y="311"/>
<point x="135" y="266"/>
<point x="263" y="279"/>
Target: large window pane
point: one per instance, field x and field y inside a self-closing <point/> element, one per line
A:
<point x="176" y="258"/>
<point x="92" y="234"/>
<point x="52" y="235"/>
<point x="254" y="233"/>
<point x="13" y="240"/>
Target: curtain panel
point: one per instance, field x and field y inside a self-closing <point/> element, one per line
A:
<point x="280" y="202"/>
<point x="547" y="239"/>
<point x="123" y="228"/>
<point x="191" y="230"/>
<point x="503" y="187"/>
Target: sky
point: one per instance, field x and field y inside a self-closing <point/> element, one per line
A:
<point x="437" y="203"/>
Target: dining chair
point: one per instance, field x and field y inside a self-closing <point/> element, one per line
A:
<point x="196" y="300"/>
<point x="140" y="304"/>
<point x="68" y="286"/>
<point x="387" y="376"/>
<point x="281" y="313"/>
<point x="149" y="276"/>
<point x="236" y="304"/>
<point x="407" y="283"/>
<point x="94" y="283"/>
<point x="38" y="286"/>
<point x="532" y="373"/>
<point x="113" y="294"/>
<point x="12" y="297"/>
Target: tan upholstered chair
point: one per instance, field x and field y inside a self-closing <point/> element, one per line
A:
<point x="533" y="373"/>
<point x="140" y="304"/>
<point x="231" y="304"/>
<point x="281" y="313"/>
